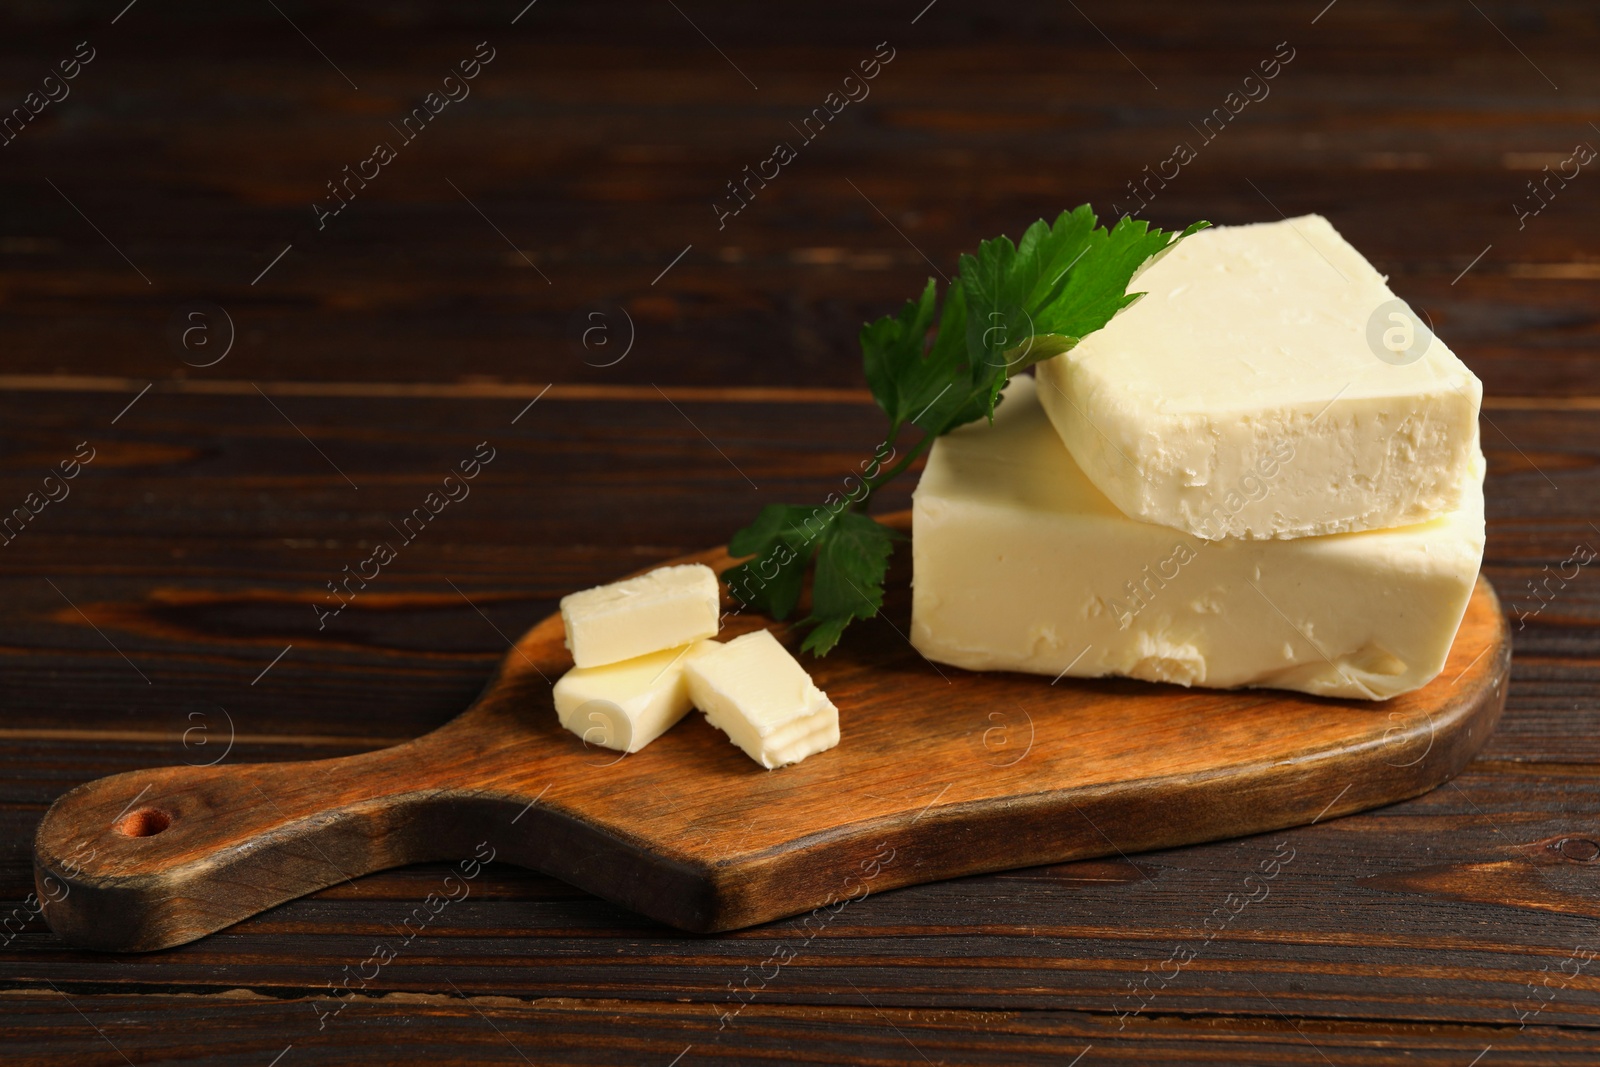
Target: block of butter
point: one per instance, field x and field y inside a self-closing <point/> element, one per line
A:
<point x="627" y="705"/>
<point x="1269" y="384"/>
<point x="666" y="608"/>
<point x="1021" y="564"/>
<point x="754" y="691"/>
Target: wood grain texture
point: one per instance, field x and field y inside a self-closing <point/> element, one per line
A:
<point x="1424" y="932"/>
<point x="941" y="773"/>
<point x="597" y="145"/>
<point x="421" y="1030"/>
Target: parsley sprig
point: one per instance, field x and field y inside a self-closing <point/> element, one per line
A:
<point x="1011" y="306"/>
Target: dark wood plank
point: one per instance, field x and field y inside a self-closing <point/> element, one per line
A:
<point x="597" y="141"/>
<point x="1385" y="916"/>
<point x="207" y="140"/>
<point x="246" y="1030"/>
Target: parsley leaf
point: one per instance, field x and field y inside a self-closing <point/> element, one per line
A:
<point x="891" y="355"/>
<point x="782" y="540"/>
<point x="1012" y="305"/>
<point x="851" y="563"/>
<point x="1037" y="299"/>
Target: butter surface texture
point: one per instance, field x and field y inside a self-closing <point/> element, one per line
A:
<point x="666" y="608"/>
<point x="754" y="691"/>
<point x="1244" y="394"/>
<point x="1021" y="564"/>
<point x="627" y="705"/>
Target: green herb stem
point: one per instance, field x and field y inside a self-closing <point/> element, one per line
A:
<point x="884" y="478"/>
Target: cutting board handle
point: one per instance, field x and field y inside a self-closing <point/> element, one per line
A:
<point x="158" y="857"/>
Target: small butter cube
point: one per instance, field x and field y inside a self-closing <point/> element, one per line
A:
<point x="755" y="692"/>
<point x="627" y="705"/>
<point x="666" y="608"/>
<point x="1268" y="385"/>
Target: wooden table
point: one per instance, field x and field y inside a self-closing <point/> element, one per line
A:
<point x="551" y="240"/>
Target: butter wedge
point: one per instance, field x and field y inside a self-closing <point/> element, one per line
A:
<point x="1268" y="385"/>
<point x="1021" y="564"/>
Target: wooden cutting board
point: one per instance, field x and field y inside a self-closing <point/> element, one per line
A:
<point x="940" y="773"/>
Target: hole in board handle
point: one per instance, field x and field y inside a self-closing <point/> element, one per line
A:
<point x="146" y="822"/>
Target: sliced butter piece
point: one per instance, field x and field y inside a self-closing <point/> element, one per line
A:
<point x="627" y="705"/>
<point x="1245" y="396"/>
<point x="1021" y="564"/>
<point x="666" y="608"/>
<point x="754" y="691"/>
